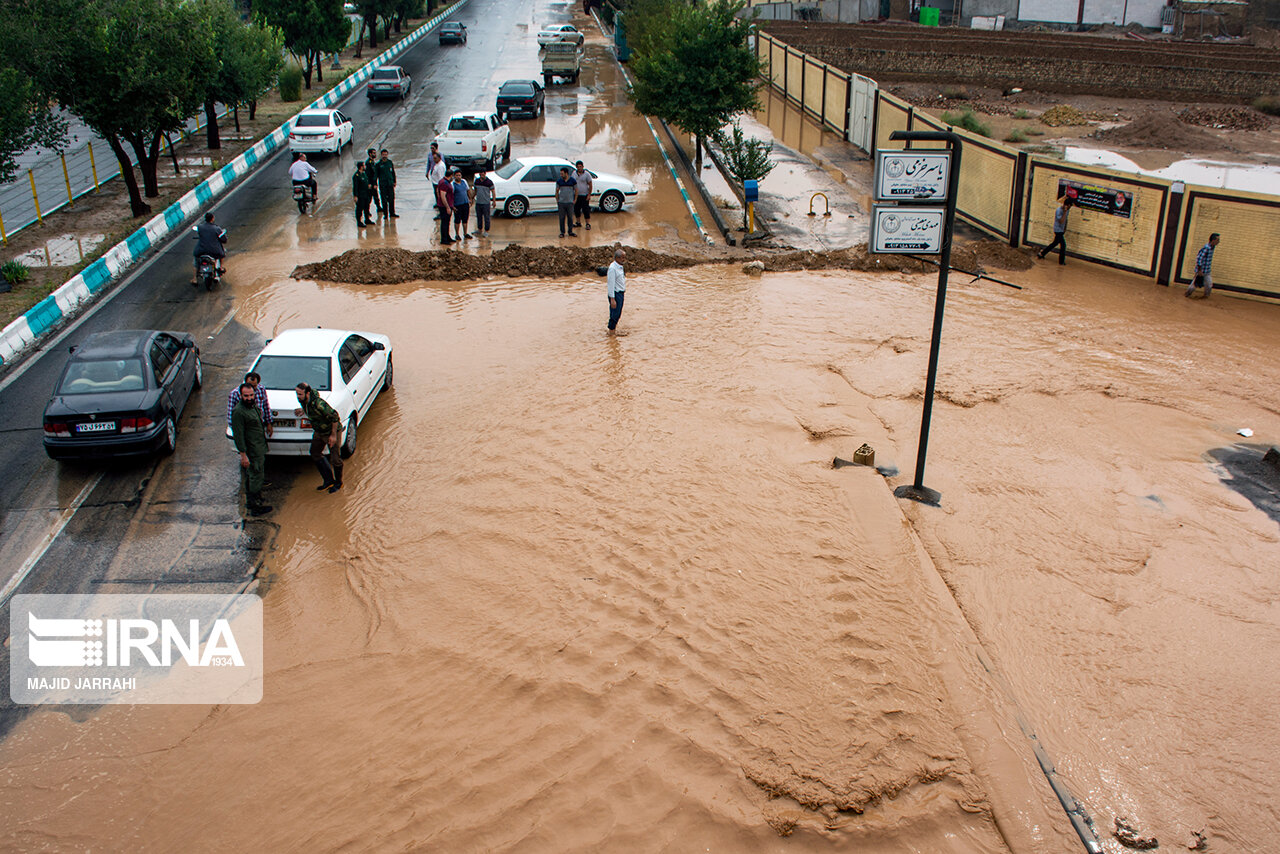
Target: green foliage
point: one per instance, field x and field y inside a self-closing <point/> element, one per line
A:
<point x="290" y="82"/>
<point x="746" y="158"/>
<point x="955" y="93"/>
<point x="25" y="120"/>
<point x="309" y="28"/>
<point x="1017" y="135"/>
<point x="1268" y="104"/>
<point x="14" y="272"/>
<point x="694" y="67"/>
<point x="248" y="55"/>
<point x="1022" y="114"/>
<point x="969" y="121"/>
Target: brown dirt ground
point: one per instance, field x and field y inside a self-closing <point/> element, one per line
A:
<point x="1161" y="130"/>
<point x="393" y="266"/>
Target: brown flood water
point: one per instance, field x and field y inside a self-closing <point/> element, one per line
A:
<point x="607" y="594"/>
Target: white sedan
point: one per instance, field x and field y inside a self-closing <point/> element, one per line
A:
<point x="320" y="130"/>
<point x="528" y="185"/>
<point x="560" y="33"/>
<point x="347" y="369"/>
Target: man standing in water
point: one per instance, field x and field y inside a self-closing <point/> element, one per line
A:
<point x="1059" y="231"/>
<point x="1204" y="266"/>
<point x="387" y="185"/>
<point x="324" y="435"/>
<point x="250" y="437"/>
<point x="617" y="288"/>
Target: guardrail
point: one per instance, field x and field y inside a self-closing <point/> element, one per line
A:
<point x="83" y="288"/>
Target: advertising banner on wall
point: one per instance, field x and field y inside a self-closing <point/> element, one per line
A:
<point x="1093" y="198"/>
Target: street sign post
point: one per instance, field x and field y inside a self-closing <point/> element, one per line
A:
<point x="903" y="228"/>
<point x="913" y="176"/>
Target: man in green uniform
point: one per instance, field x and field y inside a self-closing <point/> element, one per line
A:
<point x="361" y="195"/>
<point x="371" y="172"/>
<point x="324" y="434"/>
<point x="250" y="437"/>
<point x="387" y="185"/>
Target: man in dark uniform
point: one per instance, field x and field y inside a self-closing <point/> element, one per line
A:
<point x="324" y="434"/>
<point x="250" y="437"/>
<point x="387" y="185"/>
<point x="361" y="195"/>
<point x="371" y="172"/>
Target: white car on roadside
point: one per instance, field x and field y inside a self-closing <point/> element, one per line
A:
<point x="320" y="130"/>
<point x="528" y="185"/>
<point x="347" y="369"/>
<point x="560" y="33"/>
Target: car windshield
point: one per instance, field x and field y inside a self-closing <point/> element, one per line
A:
<point x="516" y="89"/>
<point x="102" y="376"/>
<point x="313" y="121"/>
<point x="285" y="372"/>
<point x="510" y="169"/>
<point x="467" y="123"/>
<point x="451" y="28"/>
<point x="386" y="74"/>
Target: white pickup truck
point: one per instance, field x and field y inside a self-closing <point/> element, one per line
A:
<point x="475" y="139"/>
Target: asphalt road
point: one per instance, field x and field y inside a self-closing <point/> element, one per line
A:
<point x="154" y="524"/>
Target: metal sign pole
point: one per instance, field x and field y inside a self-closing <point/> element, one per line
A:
<point x="917" y="491"/>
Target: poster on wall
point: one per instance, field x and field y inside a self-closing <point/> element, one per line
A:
<point x="1092" y="198"/>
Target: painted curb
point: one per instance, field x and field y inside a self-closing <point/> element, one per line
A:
<point x="81" y="290"/>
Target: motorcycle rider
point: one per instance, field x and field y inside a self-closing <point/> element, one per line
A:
<point x="209" y="239"/>
<point x="303" y="172"/>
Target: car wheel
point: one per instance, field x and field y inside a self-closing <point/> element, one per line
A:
<point x="611" y="202"/>
<point x="170" y="436"/>
<point x="349" y="441"/>
<point x="386" y="379"/>
<point x="199" y="380"/>
<point x="517" y="206"/>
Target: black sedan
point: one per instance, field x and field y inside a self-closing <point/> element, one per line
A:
<point x="520" y="96"/>
<point x="451" y="32"/>
<point x="121" y="394"/>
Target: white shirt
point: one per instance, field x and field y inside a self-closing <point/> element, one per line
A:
<point x="437" y="171"/>
<point x="301" y="170"/>
<point x="617" y="279"/>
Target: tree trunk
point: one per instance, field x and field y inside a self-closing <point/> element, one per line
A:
<point x="319" y="67"/>
<point x="364" y="26"/>
<point x="386" y="28"/>
<point x="697" y="147"/>
<point x="253" y="109"/>
<point x="146" y="165"/>
<point x="212" y="138"/>
<point x="177" y="170"/>
<point x="399" y="22"/>
<point x="235" y="112"/>
<point x="136" y="204"/>
<point x="306" y="72"/>
<point x="372" y="23"/>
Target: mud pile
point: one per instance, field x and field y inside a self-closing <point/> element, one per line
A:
<point x="1063" y="115"/>
<point x="1225" y="118"/>
<point x="392" y="266"/>
<point x="1160" y="130"/>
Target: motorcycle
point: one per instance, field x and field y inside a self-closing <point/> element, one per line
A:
<point x="208" y="272"/>
<point x="303" y="195"/>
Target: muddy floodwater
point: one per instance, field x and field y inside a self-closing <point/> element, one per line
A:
<point x="586" y="594"/>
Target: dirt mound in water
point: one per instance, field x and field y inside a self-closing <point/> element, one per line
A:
<point x="1160" y="130"/>
<point x="392" y="266"/>
<point x="968" y="256"/>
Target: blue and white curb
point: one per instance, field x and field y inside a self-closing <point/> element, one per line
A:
<point x="84" y="287"/>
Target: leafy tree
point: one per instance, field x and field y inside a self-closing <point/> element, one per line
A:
<point x="248" y="59"/>
<point x="133" y="70"/>
<point x="370" y="11"/>
<point x="697" y="69"/>
<point x="26" y="119"/>
<point x="406" y="9"/>
<point x="310" y="28"/>
<point x="745" y="157"/>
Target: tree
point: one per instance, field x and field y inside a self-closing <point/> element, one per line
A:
<point x="248" y="58"/>
<point x="745" y="157"/>
<point x="26" y="120"/>
<point x="310" y="28"/>
<point x="697" y="70"/>
<point x="370" y="11"/>
<point x="133" y="70"/>
<point x="406" y="9"/>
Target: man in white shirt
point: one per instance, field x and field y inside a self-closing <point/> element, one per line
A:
<point x="438" y="169"/>
<point x="617" y="278"/>
<point x="303" y="172"/>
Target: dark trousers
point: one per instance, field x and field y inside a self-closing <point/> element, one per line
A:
<point x="582" y="208"/>
<point x="330" y="469"/>
<point x="253" y="477"/>
<point x="482" y="217"/>
<point x="615" y="311"/>
<point x="362" y="209"/>
<point x="388" y="196"/>
<point x="377" y="200"/>
<point x="461" y="215"/>
<point x="444" y="225"/>
<point x="566" y="217"/>
<point x="1060" y="241"/>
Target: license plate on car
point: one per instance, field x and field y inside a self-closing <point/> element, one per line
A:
<point x="284" y="422"/>
<point x="96" y="427"/>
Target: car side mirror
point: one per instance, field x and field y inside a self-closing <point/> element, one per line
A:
<point x="378" y="345"/>
<point x="189" y="344"/>
<point x="72" y="348"/>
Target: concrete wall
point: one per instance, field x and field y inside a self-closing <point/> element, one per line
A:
<point x="843" y="11"/>
<point x="1119" y="12"/>
<point x="990" y="8"/>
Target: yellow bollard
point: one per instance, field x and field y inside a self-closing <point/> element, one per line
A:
<point x="751" y="217"/>
<point x="35" y="197"/>
<point x="3" y="235"/>
<point x="94" y="165"/>
<point x="66" y="176"/>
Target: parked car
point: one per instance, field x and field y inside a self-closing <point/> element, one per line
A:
<point x="475" y="139"/>
<point x="520" y="96"/>
<point x="389" y="81"/>
<point x="347" y="369"/>
<point x="452" y="32"/>
<point x="563" y="60"/>
<point x="528" y="185"/>
<point x="560" y="33"/>
<point x="320" y="130"/>
<point x="121" y="393"/>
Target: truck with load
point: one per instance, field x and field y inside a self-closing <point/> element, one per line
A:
<point x="475" y="139"/>
<point x="561" y="59"/>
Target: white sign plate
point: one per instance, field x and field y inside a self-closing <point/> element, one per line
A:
<point x="908" y="229"/>
<point x="919" y="176"/>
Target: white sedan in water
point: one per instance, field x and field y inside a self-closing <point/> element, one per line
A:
<point x="560" y="33"/>
<point x="347" y="369"/>
<point x="528" y="185"/>
<point x="321" y="130"/>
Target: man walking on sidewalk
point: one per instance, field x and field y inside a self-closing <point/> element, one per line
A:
<point x="1204" y="266"/>
<point x="250" y="437"/>
<point x="1059" y="231"/>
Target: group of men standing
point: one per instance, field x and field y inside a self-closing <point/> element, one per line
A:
<point x="374" y="183"/>
<point x="455" y="199"/>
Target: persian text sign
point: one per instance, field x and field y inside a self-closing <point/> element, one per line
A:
<point x="145" y="648"/>
<point x="912" y="175"/>
<point x="899" y="228"/>
<point x="1092" y="198"/>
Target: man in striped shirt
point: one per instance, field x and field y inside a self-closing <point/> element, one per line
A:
<point x="264" y="406"/>
<point x="1204" y="264"/>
